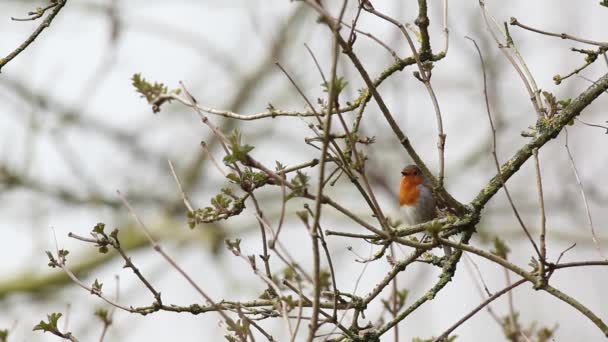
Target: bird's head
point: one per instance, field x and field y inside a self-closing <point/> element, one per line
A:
<point x="411" y="174"/>
<point x="411" y="177"/>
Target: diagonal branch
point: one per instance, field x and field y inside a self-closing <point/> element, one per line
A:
<point x="550" y="131"/>
<point x="45" y="23"/>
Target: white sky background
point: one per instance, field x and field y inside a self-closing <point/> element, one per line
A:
<point x="172" y="41"/>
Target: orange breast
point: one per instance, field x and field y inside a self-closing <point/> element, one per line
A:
<point x="408" y="190"/>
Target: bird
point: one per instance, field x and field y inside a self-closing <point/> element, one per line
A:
<point x="416" y="199"/>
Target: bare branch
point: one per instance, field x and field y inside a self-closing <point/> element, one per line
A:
<point x="446" y="334"/>
<point x="56" y="7"/>
<point x="596" y="242"/>
<point x="513" y="21"/>
<point x="496" y="162"/>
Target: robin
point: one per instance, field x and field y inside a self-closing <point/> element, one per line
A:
<point x="416" y="198"/>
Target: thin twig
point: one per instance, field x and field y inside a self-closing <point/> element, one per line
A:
<point x="212" y="158"/>
<point x="108" y="320"/>
<point x="425" y="77"/>
<point x="35" y="15"/>
<point x="567" y="114"/>
<point x="478" y="271"/>
<point x="543" y="218"/>
<point x="265" y="256"/>
<point x="512" y="321"/>
<point x="394" y="300"/>
<point x="596" y="241"/>
<point x="293" y="82"/>
<point x="332" y="95"/>
<point x="531" y="278"/>
<point x="446" y="30"/>
<point x="270" y="282"/>
<point x="374" y="38"/>
<point x="45" y="23"/>
<point x="494" y="316"/>
<point x="332" y="272"/>
<point x="312" y="55"/>
<point x="322" y="312"/>
<point x="115" y="243"/>
<point x="580" y="264"/>
<point x="157" y="247"/>
<point x="534" y="96"/>
<point x="593" y="125"/>
<point x="61" y="264"/>
<point x="494" y="154"/>
<point x="181" y="189"/>
<point x="443" y="337"/>
<point x="590" y="80"/>
<point x="513" y="21"/>
<point x="275" y="237"/>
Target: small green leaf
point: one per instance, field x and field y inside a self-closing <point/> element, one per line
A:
<point x="96" y="288"/>
<point x="300" y="184"/>
<point x="269" y="293"/>
<point x="52" y="262"/>
<point x="233" y="244"/>
<point x="152" y="92"/>
<point x="62" y="253"/>
<point x="557" y="79"/>
<point x="339" y="84"/>
<point x="146" y="89"/>
<point x="99" y="228"/>
<point x="324" y="279"/>
<point x="500" y="248"/>
<point x="51" y="325"/>
<point x="102" y="314"/>
<point x="114" y="234"/>
<point x="233" y="177"/>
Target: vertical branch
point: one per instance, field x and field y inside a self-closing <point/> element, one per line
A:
<point x="107" y="319"/>
<point x="265" y="256"/>
<point x="543" y="219"/>
<point x="326" y="138"/>
<point x="446" y="30"/>
<point x="403" y="139"/>
<point x="496" y="162"/>
<point x="513" y="322"/>
<point x="361" y="169"/>
<point x="422" y="21"/>
<point x="424" y="74"/>
<point x="395" y="300"/>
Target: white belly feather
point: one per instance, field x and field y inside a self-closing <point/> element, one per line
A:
<point x="423" y="211"/>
